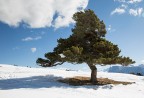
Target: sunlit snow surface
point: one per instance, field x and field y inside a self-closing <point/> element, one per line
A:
<point x="23" y="82"/>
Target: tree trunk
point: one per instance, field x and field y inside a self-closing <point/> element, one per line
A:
<point x="93" y="73"/>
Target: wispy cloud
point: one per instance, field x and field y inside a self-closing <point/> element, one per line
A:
<point x="129" y="1"/>
<point x="33" y="50"/>
<point x="124" y="6"/>
<point x="134" y="1"/>
<point x="40" y="13"/>
<point x="120" y="0"/>
<point x="31" y="38"/>
<point x="136" y="12"/>
<point x="110" y="29"/>
<point x="118" y="11"/>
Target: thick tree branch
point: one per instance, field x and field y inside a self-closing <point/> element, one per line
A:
<point x="58" y="64"/>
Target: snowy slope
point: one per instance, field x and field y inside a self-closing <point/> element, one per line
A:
<point x="22" y="82"/>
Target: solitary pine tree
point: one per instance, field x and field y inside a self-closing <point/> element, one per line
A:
<point x="86" y="45"/>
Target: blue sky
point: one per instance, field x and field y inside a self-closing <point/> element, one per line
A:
<point x="29" y="29"/>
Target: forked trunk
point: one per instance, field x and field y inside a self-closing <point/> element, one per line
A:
<point x="93" y="73"/>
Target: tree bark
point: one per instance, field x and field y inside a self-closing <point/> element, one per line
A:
<point x="93" y="73"/>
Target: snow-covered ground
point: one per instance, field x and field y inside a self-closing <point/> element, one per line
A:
<point x="23" y="82"/>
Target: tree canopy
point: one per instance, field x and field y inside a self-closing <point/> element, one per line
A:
<point x="87" y="44"/>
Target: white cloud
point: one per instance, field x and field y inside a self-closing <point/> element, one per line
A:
<point x="37" y="38"/>
<point x="124" y="6"/>
<point x="134" y="1"/>
<point x="129" y="7"/>
<point x="120" y="0"/>
<point x="118" y="11"/>
<point x="110" y="29"/>
<point x="33" y="50"/>
<point x="31" y="38"/>
<point x="136" y="12"/>
<point x="140" y="11"/>
<point x="129" y="1"/>
<point x="40" y="13"/>
<point x="133" y="12"/>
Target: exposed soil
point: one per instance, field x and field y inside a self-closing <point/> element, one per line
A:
<point x="78" y="81"/>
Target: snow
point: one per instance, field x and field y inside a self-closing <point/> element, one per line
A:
<point x="127" y="69"/>
<point x="23" y="82"/>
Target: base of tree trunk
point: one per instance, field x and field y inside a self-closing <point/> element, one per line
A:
<point x="78" y="81"/>
<point x="93" y="76"/>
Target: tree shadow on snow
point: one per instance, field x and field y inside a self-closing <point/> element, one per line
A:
<point x="36" y="82"/>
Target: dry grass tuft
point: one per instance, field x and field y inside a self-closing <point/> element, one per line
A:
<point x="78" y="81"/>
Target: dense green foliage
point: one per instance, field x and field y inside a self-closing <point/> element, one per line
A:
<point x="86" y="45"/>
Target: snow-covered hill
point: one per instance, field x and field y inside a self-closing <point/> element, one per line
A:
<point x="23" y="82"/>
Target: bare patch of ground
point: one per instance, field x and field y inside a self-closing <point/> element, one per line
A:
<point x="79" y="80"/>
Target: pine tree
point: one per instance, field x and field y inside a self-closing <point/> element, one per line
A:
<point x="86" y="45"/>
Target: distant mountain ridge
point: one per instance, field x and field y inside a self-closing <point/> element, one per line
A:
<point x="137" y="70"/>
